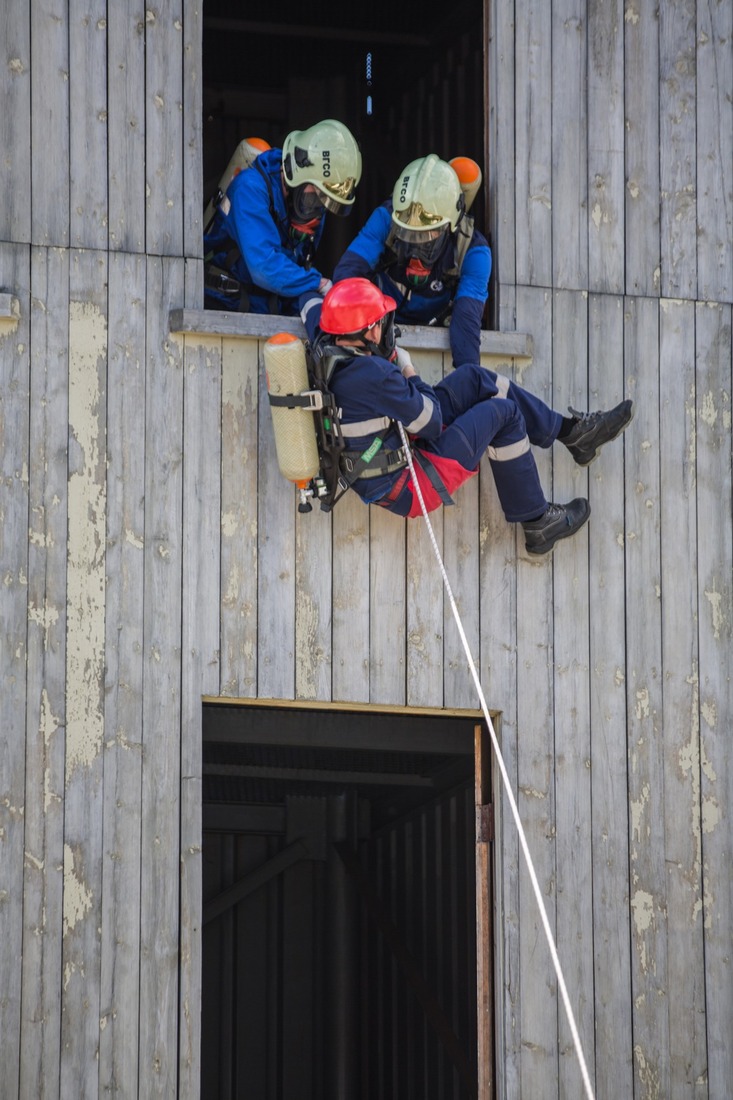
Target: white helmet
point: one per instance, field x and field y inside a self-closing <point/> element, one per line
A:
<point x="327" y="156"/>
<point x="427" y="204"/>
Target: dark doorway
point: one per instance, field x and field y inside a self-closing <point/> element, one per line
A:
<point x="339" y="935"/>
<point x="406" y="81"/>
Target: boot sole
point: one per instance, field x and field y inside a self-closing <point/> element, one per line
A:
<point x="539" y="551"/>
<point x="585" y="465"/>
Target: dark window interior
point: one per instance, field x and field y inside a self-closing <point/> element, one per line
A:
<point x="407" y="80"/>
<point x="339" y="915"/>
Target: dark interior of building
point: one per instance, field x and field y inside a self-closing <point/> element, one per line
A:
<point x="407" y="81"/>
<point x="339" y="919"/>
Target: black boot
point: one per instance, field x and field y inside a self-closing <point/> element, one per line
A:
<point x="558" y="521"/>
<point x="592" y="430"/>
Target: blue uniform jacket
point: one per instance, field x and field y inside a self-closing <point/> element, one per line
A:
<point x="258" y="227"/>
<point x="422" y="305"/>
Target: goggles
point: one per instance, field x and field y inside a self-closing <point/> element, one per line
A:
<point x="425" y="245"/>
<point x="309" y="200"/>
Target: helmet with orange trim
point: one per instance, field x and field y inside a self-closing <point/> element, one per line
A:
<point x="353" y="306"/>
<point x="427" y="205"/>
<point x="321" y="166"/>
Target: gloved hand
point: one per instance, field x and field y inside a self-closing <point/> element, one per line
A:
<point x="402" y="358"/>
<point x="324" y="286"/>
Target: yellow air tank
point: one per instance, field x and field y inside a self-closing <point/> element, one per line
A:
<point x="245" y="154"/>
<point x="294" y="427"/>
<point x="469" y="175"/>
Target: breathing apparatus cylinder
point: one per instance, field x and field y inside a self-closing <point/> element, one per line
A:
<point x="469" y="176"/>
<point x="294" y="427"/>
<point x="245" y="154"/>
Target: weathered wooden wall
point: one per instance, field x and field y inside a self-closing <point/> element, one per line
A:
<point x="612" y="178"/>
<point x="151" y="553"/>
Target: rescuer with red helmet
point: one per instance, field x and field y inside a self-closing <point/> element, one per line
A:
<point x="471" y="412"/>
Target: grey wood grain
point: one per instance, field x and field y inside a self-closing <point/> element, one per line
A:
<point x="572" y="584"/>
<point x="19" y="562"/>
<point x="647" y="870"/>
<point x="164" y="130"/>
<point x="126" y="125"/>
<point x="85" y="659"/>
<point x="45" y="742"/>
<point x="641" y="92"/>
<point x="677" y="147"/>
<point x="714" y="152"/>
<point x="606" y="183"/>
<point x="608" y="747"/>
<point x="15" y="122"/>
<point x="200" y="667"/>
<point x="680" y="714"/>
<point x="123" y="676"/>
<point x="239" y="479"/>
<point x="161" y="777"/>
<point x="88" y="99"/>
<point x="715" y="617"/>
<point x="532" y="197"/>
<point x="50" y="172"/>
<point x="536" y="989"/>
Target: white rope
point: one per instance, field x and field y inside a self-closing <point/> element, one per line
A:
<point x="505" y="778"/>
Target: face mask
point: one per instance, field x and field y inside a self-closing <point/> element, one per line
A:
<point x="417" y="272"/>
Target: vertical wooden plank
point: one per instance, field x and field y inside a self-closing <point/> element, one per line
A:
<point x="313" y="592"/>
<point x="532" y="197"/>
<point x="537" y="992"/>
<point x="50" y="115"/>
<point x="88" y="202"/>
<point x="16" y="557"/>
<point x="498" y="588"/>
<point x="350" y="608"/>
<point x="277" y="514"/>
<point x="15" y="122"/>
<point x="425" y="590"/>
<point x="678" y="157"/>
<point x="648" y="874"/>
<point x="193" y="203"/>
<point x="123" y="703"/>
<point x="715" y="618"/>
<point x="40" y="1050"/>
<point x="641" y="88"/>
<point x="680" y="712"/>
<point x="606" y="184"/>
<point x="572" y="704"/>
<point x="501" y="122"/>
<point x="715" y="152"/>
<point x="569" y="145"/>
<point x="126" y="124"/>
<point x="85" y="658"/>
<point x="460" y="556"/>
<point x="608" y="759"/>
<point x="159" y="883"/>
<point x="387" y="607"/>
<point x="239" y="365"/>
<point x="200" y="667"/>
<point x="164" y="130"/>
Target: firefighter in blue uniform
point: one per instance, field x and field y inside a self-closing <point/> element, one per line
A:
<point x="423" y="250"/>
<point x="259" y="249"/>
<point x="471" y="412"/>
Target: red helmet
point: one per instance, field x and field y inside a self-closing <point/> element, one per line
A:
<point x="353" y="305"/>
